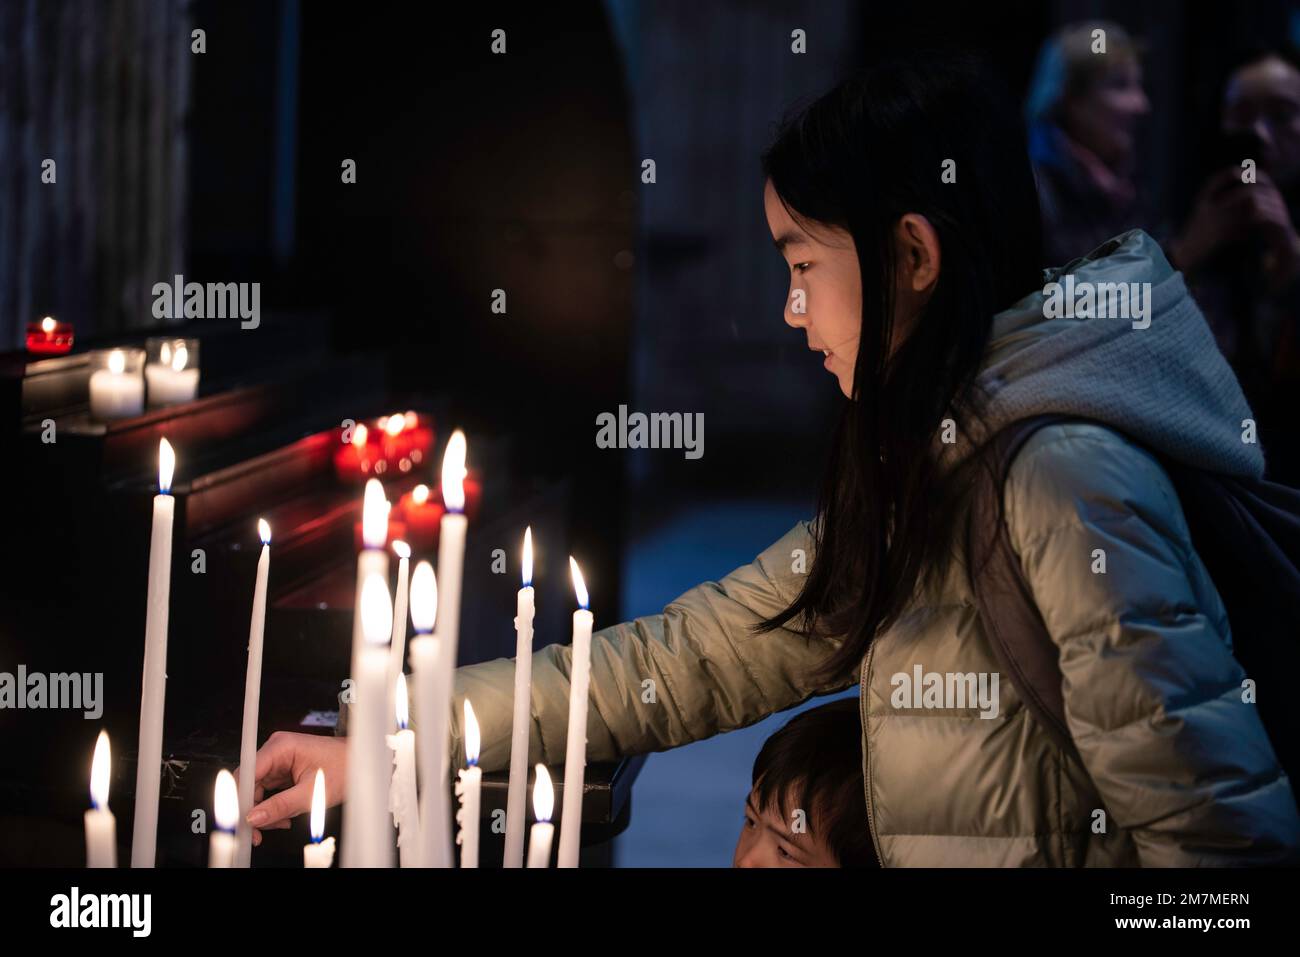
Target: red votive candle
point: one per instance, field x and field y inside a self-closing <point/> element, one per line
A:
<point x="423" y="518"/>
<point x="49" y="337"/>
<point x="389" y="448"/>
<point x="404" y="442"/>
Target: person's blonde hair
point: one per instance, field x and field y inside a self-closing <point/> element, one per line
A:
<point x="1067" y="67"/>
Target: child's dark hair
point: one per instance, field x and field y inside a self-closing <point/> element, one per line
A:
<point x="817" y="757"/>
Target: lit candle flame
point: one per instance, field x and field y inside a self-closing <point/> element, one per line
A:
<point x="180" y="358"/>
<point x="403" y="706"/>
<point x="528" y="557"/>
<point x="101" y="766"/>
<point x="165" y="354"/>
<point x="264" y="531"/>
<point x="318" y="807"/>
<point x="395" y="424"/>
<point x="360" y="434"/>
<point x="471" y="735"/>
<point x="453" y="473"/>
<point x="47" y="325"/>
<point x="579" y="586"/>
<point x="117" y="362"/>
<point x="376" y="610"/>
<point x="543" y="795"/>
<point x="166" y="465"/>
<point x="374" y="515"/>
<point x="402" y="549"/>
<point x="225" y="801"/>
<point x="420" y="494"/>
<point x="424" y="598"/>
<point x="411" y="419"/>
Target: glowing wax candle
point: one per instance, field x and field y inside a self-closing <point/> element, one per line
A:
<point x="148" y="774"/>
<point x="320" y="852"/>
<point x="575" y="755"/>
<point x="101" y="827"/>
<point x="252" y="698"/>
<point x="539" y="839"/>
<point x="524" y="613"/>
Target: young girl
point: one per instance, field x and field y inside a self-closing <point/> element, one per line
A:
<point x="904" y="205"/>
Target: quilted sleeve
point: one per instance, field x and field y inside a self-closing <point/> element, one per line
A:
<point x="1153" y="695"/>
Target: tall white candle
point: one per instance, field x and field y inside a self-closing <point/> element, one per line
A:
<point x="101" y="827"/>
<point x="401" y="793"/>
<point x="225" y="801"/>
<point x="543" y="831"/>
<point x="397" y="650"/>
<point x="148" y="774"/>
<point x="424" y="669"/>
<point x="469" y="788"/>
<point x="367" y="833"/>
<point x="372" y="561"/>
<point x="320" y="852"/>
<point x="114" y="392"/>
<point x="451" y="561"/>
<point x="252" y="699"/>
<point x="575" y="754"/>
<point x="517" y="795"/>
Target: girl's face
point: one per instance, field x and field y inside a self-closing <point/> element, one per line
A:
<point x="825" y="296"/>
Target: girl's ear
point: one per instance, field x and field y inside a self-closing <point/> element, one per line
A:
<point x="918" y="253"/>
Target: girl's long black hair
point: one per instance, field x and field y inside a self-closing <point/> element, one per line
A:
<point x="860" y="157"/>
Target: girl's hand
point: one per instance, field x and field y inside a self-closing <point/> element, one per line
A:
<point x="289" y="760"/>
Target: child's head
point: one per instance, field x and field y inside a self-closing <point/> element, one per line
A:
<point x="806" y="807"/>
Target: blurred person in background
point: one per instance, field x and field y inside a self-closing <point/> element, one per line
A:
<point x="1240" y="250"/>
<point x="1084" y="108"/>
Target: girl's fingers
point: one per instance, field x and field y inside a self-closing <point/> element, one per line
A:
<point x="283" y="806"/>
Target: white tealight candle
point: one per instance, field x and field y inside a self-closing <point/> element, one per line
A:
<point x="424" y="669"/>
<point x="397" y="650"/>
<point x="469" y="788"/>
<point x="451" y="561"/>
<point x="539" y="839"/>
<point x="401" y="793"/>
<point x="367" y="834"/>
<point x="170" y="382"/>
<point x="252" y="698"/>
<point x="114" y="392"/>
<point x="575" y="755"/>
<point x="319" y="853"/>
<point x="225" y="801"/>
<point x="515" y="798"/>
<point x="101" y="828"/>
<point x="148" y="774"/>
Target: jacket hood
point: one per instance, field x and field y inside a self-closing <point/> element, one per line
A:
<point x="1153" y="372"/>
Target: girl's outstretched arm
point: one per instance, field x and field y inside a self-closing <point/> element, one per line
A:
<point x="660" y="681"/>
